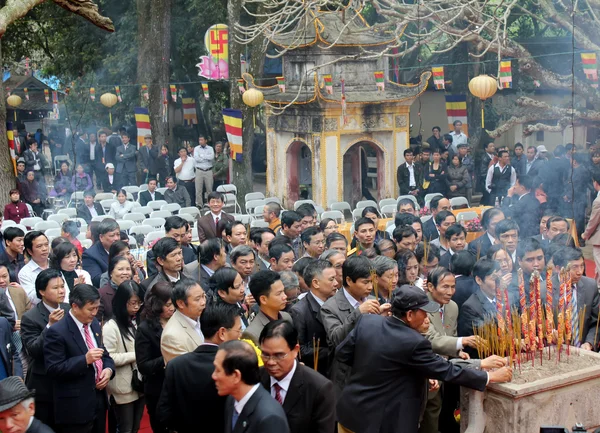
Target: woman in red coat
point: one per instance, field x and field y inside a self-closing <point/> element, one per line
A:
<point x="16" y="209"/>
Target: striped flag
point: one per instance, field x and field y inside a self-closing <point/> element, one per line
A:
<point x="379" y="81"/>
<point x="47" y="95"/>
<point x="328" y="84"/>
<point x="281" y="84"/>
<point x="189" y="111"/>
<point x="11" y="144"/>
<point x="93" y="93"/>
<point x="145" y="93"/>
<point x="456" y="109"/>
<point x="590" y="67"/>
<point x="142" y="121"/>
<point x="233" y="128"/>
<point x="438" y="77"/>
<point x="118" y="92"/>
<point x="173" y="88"/>
<point x="506" y="74"/>
<point x="205" y="90"/>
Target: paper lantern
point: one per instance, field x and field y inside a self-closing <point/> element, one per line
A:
<point x="253" y="97"/>
<point x="108" y="99"/>
<point x="484" y="87"/>
<point x="14" y="100"/>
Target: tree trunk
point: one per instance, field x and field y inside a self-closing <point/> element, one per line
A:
<point x="154" y="53"/>
<point x="7" y="173"/>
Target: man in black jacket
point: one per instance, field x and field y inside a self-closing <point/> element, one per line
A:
<point x="306" y="396"/>
<point x="89" y="208"/>
<point x="148" y="157"/>
<point x="437" y="204"/>
<point x="151" y="194"/>
<point x="410" y="178"/>
<point x="17" y="408"/>
<point x="484" y="165"/>
<point x="189" y="395"/>
<point x="395" y="345"/>
<point x="483" y="243"/>
<point x="521" y="205"/>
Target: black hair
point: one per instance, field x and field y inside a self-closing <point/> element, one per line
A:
<point x="462" y="262"/>
<point x="84" y="294"/>
<point x="276" y="250"/>
<point x="107" y="225"/>
<point x="116" y="248"/>
<point x="383" y="245"/>
<point x="209" y="249"/>
<point x="361" y="221"/>
<point x="369" y="209"/>
<point x="240" y="356"/>
<point x="156" y="298"/>
<point x="528" y="245"/>
<point x="222" y="279"/>
<point x="215" y="195"/>
<point x="217" y="316"/>
<point x="333" y="237"/>
<point x="125" y="291"/>
<point x="10" y="233"/>
<point x="494" y="249"/>
<point x="518" y="145"/>
<point x="261" y="282"/>
<point x="230" y="225"/>
<point x="288" y="218"/>
<point x="566" y="255"/>
<point x="437" y="274"/>
<point x="356" y="267"/>
<point x="488" y="216"/>
<point x="257" y="232"/>
<point x="301" y="264"/>
<point x="306" y="209"/>
<point x="407" y="151"/>
<point x="502" y="152"/>
<point x="29" y="238"/>
<point x="435" y="201"/>
<point x="241" y="251"/>
<point x="564" y="239"/>
<point x="449" y="139"/>
<point x="280" y="328"/>
<point x="402" y="257"/>
<point x="174" y="223"/>
<point x="453" y="230"/>
<point x="404" y="202"/>
<point x="324" y="222"/>
<point x="61" y="251"/>
<point x="93" y="227"/>
<point x="506" y="225"/>
<point x="485" y="267"/>
<point x="43" y="279"/>
<point x="164" y="247"/>
<point x="404" y="219"/>
<point x="553" y="219"/>
<point x="308" y="234"/>
<point x="433" y="252"/>
<point x="525" y="181"/>
<point x="442" y="215"/>
<point x="313" y="269"/>
<point x="181" y="290"/>
<point x="402" y="232"/>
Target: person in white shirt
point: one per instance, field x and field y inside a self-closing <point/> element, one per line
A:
<point x="37" y="249"/>
<point x="500" y="177"/>
<point x="186" y="173"/>
<point x="458" y="137"/>
<point x="204" y="156"/>
<point x="122" y="207"/>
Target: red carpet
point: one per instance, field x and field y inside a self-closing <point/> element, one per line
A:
<point x="590" y="268"/>
<point x="145" y="424"/>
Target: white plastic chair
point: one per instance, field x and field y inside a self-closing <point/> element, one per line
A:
<point x="19" y="226"/>
<point x="104" y="196"/>
<point x="154" y="235"/>
<point x="387" y="201"/>
<point x="54" y="232"/>
<point x="100" y="217"/>
<point x="251" y="204"/>
<point x="80" y="236"/>
<point x="190" y="211"/>
<point x="458" y="202"/>
<point x="189" y="218"/>
<point x="254" y="196"/>
<point x="157" y="223"/>
<point x="141" y="229"/>
<point x="44" y="225"/>
<point x="59" y="218"/>
<point x="81" y="221"/>
<point x="106" y="204"/>
<point x="366" y="203"/>
<point x="126" y="224"/>
<point x="334" y="215"/>
<point x="143" y="187"/>
<point x="195" y="237"/>
<point x="135" y="217"/>
<point x="86" y="243"/>
<point x="69" y="211"/>
<point x="157" y="204"/>
<point x="132" y="242"/>
<point x="160" y="214"/>
<point x="388" y="210"/>
<point x="273" y="200"/>
<point x="228" y="188"/>
<point x="258" y="212"/>
<point x="161" y="190"/>
<point x="231" y="202"/>
<point x="342" y="206"/>
<point x="7" y="223"/>
<point x="466" y="216"/>
<point x="76" y="196"/>
<point x="30" y="221"/>
<point x="146" y="210"/>
<point x="171" y="207"/>
<point x="259" y="223"/>
<point x="133" y="189"/>
<point x="245" y="219"/>
<point x="298" y="203"/>
<point x="136" y="205"/>
<point x="356" y="214"/>
<point x="428" y="197"/>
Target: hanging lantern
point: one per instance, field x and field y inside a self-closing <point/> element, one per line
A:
<point x="14" y="101"/>
<point x="253" y="97"/>
<point x="484" y="87"/>
<point x="109" y="100"/>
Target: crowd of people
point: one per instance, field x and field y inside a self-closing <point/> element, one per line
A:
<point x="286" y="328"/>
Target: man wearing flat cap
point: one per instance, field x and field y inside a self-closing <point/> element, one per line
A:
<point x="17" y="408"/>
<point x="391" y="362"/>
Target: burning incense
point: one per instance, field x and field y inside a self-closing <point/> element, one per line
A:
<point x="549" y="312"/>
<point x="375" y="283"/>
<point x="316" y="345"/>
<point x="540" y="320"/>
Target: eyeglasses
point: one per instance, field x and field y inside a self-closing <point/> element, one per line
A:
<point x="239" y="330"/>
<point x="277" y="358"/>
<point x="135" y="303"/>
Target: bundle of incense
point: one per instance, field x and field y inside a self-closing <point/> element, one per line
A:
<point x="509" y="327"/>
<point x="569" y="311"/>
<point x="532" y="307"/>
<point x="525" y="329"/>
<point x="522" y="300"/>
<point x="540" y="319"/>
<point x="500" y="314"/>
<point x="375" y="283"/>
<point x="316" y="345"/>
<point x="549" y="312"/>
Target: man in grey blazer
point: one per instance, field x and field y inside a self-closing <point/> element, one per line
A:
<point x="592" y="230"/>
<point x="268" y="291"/>
<point x="340" y="313"/>
<point x="126" y="161"/>
<point x="249" y="408"/>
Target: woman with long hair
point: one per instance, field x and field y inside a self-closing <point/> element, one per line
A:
<point x="328" y="226"/>
<point x="436" y="173"/>
<point x="120" y="248"/>
<point x="119" y="271"/>
<point x="119" y="339"/>
<point x="408" y="269"/>
<point x="65" y="258"/>
<point x="158" y="309"/>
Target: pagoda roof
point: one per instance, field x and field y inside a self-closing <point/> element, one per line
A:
<point x="311" y="92"/>
<point x="35" y="88"/>
<point x="344" y="28"/>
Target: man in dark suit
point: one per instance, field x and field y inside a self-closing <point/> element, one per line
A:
<point x="50" y="288"/>
<point x="89" y="208"/>
<point x="320" y="277"/>
<point x="79" y="365"/>
<point x="189" y="392"/>
<point x="306" y="396"/>
<point x="9" y="357"/>
<point x="250" y="408"/>
<point x="585" y="297"/>
<point x="151" y="194"/>
<point x="211" y="257"/>
<point x="532" y="165"/>
<point x="103" y="154"/>
<point x="148" y="156"/>
<point x="521" y="205"/>
<point x="261" y="238"/>
<point x="437" y="204"/>
<point x="176" y="228"/>
<point x="95" y="258"/>
<point x="126" y="161"/>
<point x="17" y="408"/>
<point x="409" y="177"/>
<point x="483" y="243"/>
<point x="484" y="165"/>
<point x="396" y="346"/>
<point x="207" y="225"/>
<point x="554" y="178"/>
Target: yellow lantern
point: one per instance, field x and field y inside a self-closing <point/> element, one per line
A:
<point x="109" y="100"/>
<point x="253" y="97"/>
<point x="14" y="101"/>
<point x="484" y="87"/>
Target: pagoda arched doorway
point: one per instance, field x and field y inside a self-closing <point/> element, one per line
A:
<point x="299" y="160"/>
<point x="363" y="172"/>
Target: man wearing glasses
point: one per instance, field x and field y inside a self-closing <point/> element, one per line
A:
<point x="313" y="242"/>
<point x="306" y="396"/>
<point x="189" y="393"/>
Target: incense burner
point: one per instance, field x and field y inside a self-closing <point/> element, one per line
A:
<point x="557" y="398"/>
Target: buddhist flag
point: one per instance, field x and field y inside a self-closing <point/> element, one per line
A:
<point x="165" y="113"/>
<point x="241" y="84"/>
<point x="438" y="77"/>
<point x="142" y="121"/>
<point x="506" y="74"/>
<point x="47" y="95"/>
<point x="380" y="81"/>
<point x="233" y="128"/>
<point x="26" y="91"/>
<point x="11" y="144"/>
<point x="590" y="67"/>
<point x="205" y="90"/>
<point x="456" y="109"/>
<point x="189" y="111"/>
<point x="92" y="93"/>
<point x="344" y="101"/>
<point x="173" y="88"/>
<point x="281" y="84"/>
<point x="118" y="92"/>
<point x="145" y="93"/>
<point x="328" y="84"/>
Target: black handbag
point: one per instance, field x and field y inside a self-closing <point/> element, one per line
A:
<point x="137" y="380"/>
